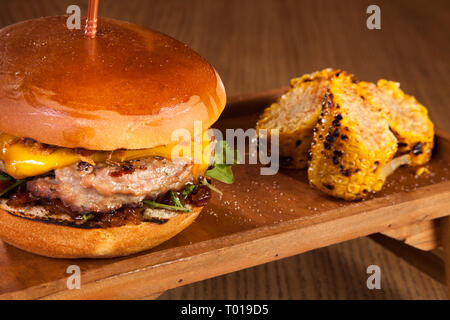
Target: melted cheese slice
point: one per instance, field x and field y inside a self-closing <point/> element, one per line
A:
<point x="21" y="161"/>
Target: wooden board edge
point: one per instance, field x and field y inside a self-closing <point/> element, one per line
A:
<point x="424" y="235"/>
<point x="234" y="255"/>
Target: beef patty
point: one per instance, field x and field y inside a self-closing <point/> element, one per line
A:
<point x="106" y="187"/>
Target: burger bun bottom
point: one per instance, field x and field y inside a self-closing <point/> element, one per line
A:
<point x="61" y="241"/>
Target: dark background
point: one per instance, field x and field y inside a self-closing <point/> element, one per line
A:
<point x="257" y="45"/>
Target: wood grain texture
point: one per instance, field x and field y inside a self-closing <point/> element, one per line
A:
<point x="308" y="276"/>
<point x="424" y="235"/>
<point x="258" y="45"/>
<point x="428" y="262"/>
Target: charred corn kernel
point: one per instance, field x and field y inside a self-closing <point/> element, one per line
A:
<point x="349" y="163"/>
<point x="340" y="180"/>
<point x="407" y="118"/>
<point x="352" y="143"/>
<point x="357" y="179"/>
<point x="370" y="181"/>
<point x="378" y="185"/>
<point x="340" y="193"/>
<point x="352" y="157"/>
<point x="295" y="114"/>
<point x="353" y="188"/>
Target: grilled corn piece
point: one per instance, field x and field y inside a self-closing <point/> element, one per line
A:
<point x="295" y="114"/>
<point x="407" y="118"/>
<point x="352" y="147"/>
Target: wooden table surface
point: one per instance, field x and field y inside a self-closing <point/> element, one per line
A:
<point x="259" y="45"/>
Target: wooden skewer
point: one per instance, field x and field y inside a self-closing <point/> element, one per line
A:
<point x="91" y="21"/>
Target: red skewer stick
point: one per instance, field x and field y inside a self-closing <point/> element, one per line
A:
<point x="91" y="21"/>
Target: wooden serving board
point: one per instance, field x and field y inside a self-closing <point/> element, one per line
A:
<point x="258" y="219"/>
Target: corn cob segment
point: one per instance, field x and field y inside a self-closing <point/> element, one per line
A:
<point x="295" y="114"/>
<point x="407" y="118"/>
<point x="352" y="147"/>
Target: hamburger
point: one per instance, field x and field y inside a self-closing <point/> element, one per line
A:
<point x="87" y="137"/>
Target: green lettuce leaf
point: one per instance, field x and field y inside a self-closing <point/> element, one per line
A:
<point x="188" y="190"/>
<point x="175" y="199"/>
<point x="4" y="177"/>
<point x="153" y="204"/>
<point x="221" y="170"/>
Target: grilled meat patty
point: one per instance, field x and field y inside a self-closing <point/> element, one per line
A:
<point x="106" y="187"/>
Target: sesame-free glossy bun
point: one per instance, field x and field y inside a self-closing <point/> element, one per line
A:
<point x="129" y="87"/>
<point x="57" y="241"/>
